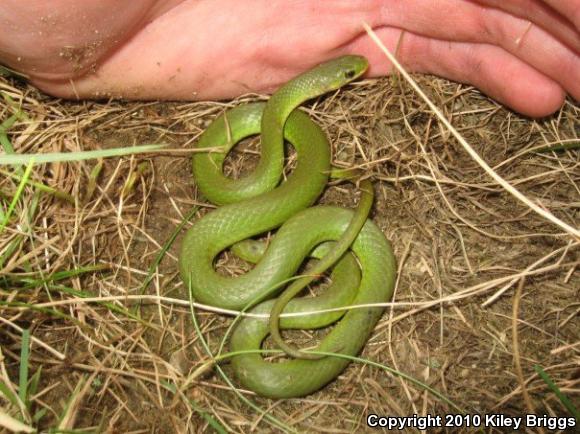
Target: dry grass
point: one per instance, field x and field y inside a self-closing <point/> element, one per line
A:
<point x="460" y="322"/>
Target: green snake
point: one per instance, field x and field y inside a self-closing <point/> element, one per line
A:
<point x="258" y="203"/>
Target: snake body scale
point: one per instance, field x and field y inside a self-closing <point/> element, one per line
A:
<point x="258" y="203"/>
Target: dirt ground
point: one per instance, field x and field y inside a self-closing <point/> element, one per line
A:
<point x="487" y="288"/>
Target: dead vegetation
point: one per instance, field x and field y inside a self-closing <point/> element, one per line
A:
<point x="486" y="290"/>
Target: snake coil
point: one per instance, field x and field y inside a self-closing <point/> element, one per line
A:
<point x="256" y="204"/>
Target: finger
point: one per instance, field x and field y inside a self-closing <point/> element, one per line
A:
<point x="541" y="14"/>
<point x="491" y="69"/>
<point x="568" y="8"/>
<point x="535" y="47"/>
<point x="466" y="21"/>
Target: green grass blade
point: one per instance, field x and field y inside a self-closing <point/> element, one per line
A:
<point x="42" y="187"/>
<point x="39" y="415"/>
<point x="59" y="157"/>
<point x="4" y="127"/>
<point x="564" y="147"/>
<point x="4" y="140"/>
<point x="92" y="182"/>
<point x="15" y="105"/>
<point x="28" y="282"/>
<point x="5" y="72"/>
<point x="554" y="388"/>
<point x="111" y="306"/>
<point x="7" y="124"/>
<point x="23" y="374"/>
<point x="5" y="390"/>
<point x="17" y="195"/>
<point x="20" y="305"/>
<point x="9" y="251"/>
<point x="34" y="381"/>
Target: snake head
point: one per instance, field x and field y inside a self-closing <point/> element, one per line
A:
<point x="337" y="72"/>
<point x="323" y="78"/>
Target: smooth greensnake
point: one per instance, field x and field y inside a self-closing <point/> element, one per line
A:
<point x="258" y="203"/>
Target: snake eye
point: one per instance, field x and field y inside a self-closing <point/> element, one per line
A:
<point x="350" y="73"/>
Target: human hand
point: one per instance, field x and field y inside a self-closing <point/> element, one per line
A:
<point x="524" y="53"/>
